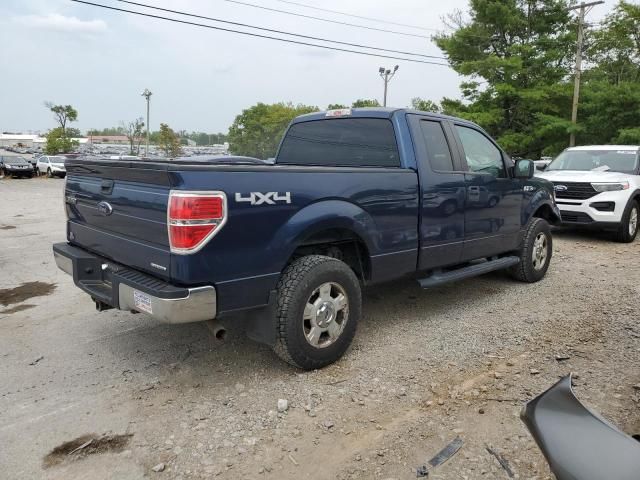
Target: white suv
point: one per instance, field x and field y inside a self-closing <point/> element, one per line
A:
<point x="52" y="166"/>
<point x="598" y="186"/>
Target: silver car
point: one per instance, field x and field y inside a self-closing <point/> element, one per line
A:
<point x="51" y="165"/>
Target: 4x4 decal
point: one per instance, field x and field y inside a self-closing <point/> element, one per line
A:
<point x="259" y="198"/>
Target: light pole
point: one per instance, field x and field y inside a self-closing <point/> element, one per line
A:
<point x="578" y="70"/>
<point x="147" y="94"/>
<point x="386" y="76"/>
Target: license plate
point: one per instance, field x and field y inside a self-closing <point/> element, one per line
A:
<point x="142" y="302"/>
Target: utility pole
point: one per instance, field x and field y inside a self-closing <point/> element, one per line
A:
<point x="386" y="76"/>
<point x="147" y="94"/>
<point x="578" y="71"/>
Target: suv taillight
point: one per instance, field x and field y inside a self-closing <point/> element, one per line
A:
<point x="193" y="218"/>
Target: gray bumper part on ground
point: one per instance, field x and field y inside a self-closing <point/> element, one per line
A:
<point x="113" y="286"/>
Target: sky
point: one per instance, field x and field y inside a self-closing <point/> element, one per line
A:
<point x="100" y="61"/>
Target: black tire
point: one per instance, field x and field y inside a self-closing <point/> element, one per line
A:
<point x="528" y="270"/>
<point x="49" y="174"/>
<point x="625" y="233"/>
<point x="297" y="286"/>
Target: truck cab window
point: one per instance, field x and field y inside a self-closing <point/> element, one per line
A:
<point x="351" y="142"/>
<point x="437" y="146"/>
<point x="482" y="156"/>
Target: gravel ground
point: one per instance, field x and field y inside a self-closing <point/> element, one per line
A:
<point x="163" y="401"/>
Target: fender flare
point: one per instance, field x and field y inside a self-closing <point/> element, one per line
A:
<point x="321" y="216"/>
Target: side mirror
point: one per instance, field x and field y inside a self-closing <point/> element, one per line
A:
<point x="541" y="167"/>
<point x="524" y="169"/>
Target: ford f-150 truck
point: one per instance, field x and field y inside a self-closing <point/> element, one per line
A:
<point x="353" y="198"/>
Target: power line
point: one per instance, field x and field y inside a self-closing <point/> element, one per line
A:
<point x="320" y="19"/>
<point x="257" y="35"/>
<point x="354" y="15"/>
<point x="187" y="14"/>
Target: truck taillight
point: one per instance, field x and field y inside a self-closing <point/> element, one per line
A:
<point x="193" y="218"/>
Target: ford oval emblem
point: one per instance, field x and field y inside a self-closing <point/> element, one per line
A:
<point x="561" y="188"/>
<point x="105" y="208"/>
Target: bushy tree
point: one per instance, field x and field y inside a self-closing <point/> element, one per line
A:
<point x="514" y="54"/>
<point x="169" y="141"/>
<point x="363" y="102"/>
<point x="59" y="142"/>
<point x="257" y="131"/>
<point x="425" y="105"/>
<point x="63" y="114"/>
<point x="518" y="56"/>
<point x="59" y="139"/>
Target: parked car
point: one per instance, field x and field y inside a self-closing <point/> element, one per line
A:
<point x="51" y="165"/>
<point x="16" y="167"/>
<point x="598" y="187"/>
<point x="290" y="245"/>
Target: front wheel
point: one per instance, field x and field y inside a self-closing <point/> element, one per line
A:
<point x="629" y="227"/>
<point x="535" y="252"/>
<point x="319" y="305"/>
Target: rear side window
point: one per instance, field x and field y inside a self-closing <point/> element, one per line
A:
<point x="352" y="142"/>
<point x="437" y="146"/>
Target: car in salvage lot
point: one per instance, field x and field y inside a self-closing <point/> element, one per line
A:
<point x="341" y="207"/>
<point x="15" y="167"/>
<point x="51" y="166"/>
<point x="598" y="187"/>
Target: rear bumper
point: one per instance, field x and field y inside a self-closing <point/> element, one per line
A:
<point x="119" y="287"/>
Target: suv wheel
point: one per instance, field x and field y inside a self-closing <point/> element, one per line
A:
<point x="319" y="305"/>
<point x="535" y="252"/>
<point x="629" y="227"/>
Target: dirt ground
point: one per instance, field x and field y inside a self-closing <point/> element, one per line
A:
<point x="426" y="367"/>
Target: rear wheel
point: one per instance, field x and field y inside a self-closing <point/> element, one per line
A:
<point x="628" y="229"/>
<point x="319" y="305"/>
<point x="535" y="252"/>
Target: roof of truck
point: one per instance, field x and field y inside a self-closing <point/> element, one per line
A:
<point x="370" y="112"/>
<point x="605" y="147"/>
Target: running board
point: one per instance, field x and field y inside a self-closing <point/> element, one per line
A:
<point x="439" y="278"/>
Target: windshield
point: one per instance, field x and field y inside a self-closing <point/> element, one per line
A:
<point x="15" y="161"/>
<point x="624" y="161"/>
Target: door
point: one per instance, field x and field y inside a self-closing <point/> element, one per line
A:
<point x="442" y="190"/>
<point x="493" y="196"/>
<point x="42" y="167"/>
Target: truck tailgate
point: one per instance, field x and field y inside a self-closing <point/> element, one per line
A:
<point x="119" y="210"/>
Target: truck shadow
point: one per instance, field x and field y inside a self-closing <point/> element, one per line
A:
<point x="582" y="234"/>
<point x="388" y="311"/>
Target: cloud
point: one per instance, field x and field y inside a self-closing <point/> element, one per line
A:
<point x="61" y="23"/>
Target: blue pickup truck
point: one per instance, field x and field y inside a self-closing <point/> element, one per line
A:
<point x="353" y="198"/>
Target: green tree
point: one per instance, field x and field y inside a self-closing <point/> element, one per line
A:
<point x="425" y="105"/>
<point x="514" y="54"/>
<point x="257" y="131"/>
<point x="59" y="142"/>
<point x="169" y="142"/>
<point x="362" y="102"/>
<point x="336" y="106"/>
<point x="63" y="114"/>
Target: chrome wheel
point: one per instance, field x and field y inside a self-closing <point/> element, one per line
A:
<point x="633" y="221"/>
<point x="325" y="315"/>
<point x="540" y="251"/>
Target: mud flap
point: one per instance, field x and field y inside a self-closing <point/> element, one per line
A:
<point x="260" y="323"/>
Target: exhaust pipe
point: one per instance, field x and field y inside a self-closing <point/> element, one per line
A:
<point x="217" y="330"/>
